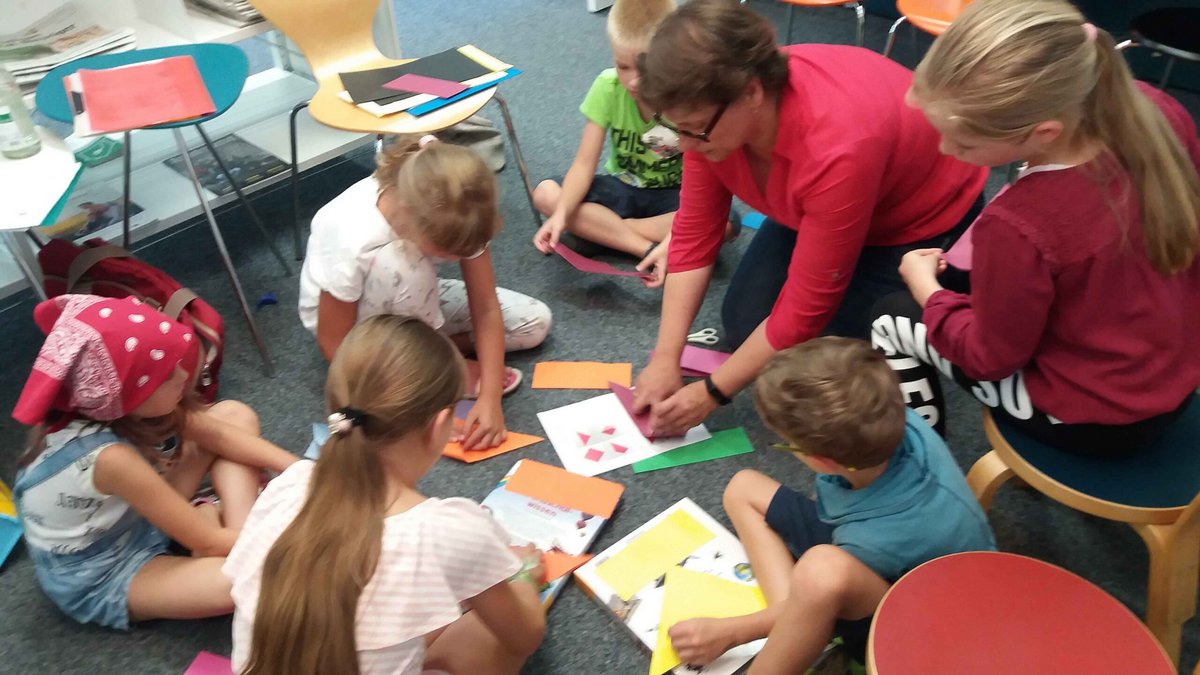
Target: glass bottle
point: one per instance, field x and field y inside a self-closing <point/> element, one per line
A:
<point x="18" y="136"/>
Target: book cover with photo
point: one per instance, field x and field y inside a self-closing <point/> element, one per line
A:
<point x="247" y="163"/>
<point x="96" y="210"/>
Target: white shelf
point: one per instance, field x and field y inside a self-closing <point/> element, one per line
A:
<point x="260" y="117"/>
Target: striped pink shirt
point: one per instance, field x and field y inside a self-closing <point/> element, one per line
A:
<point x="435" y="555"/>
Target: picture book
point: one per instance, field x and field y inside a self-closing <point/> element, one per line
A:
<point x="558" y="512"/>
<point x="681" y="564"/>
<point x="247" y="163"/>
<point x="96" y="210"/>
<point x="597" y="435"/>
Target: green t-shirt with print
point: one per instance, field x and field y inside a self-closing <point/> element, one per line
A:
<point x="609" y="105"/>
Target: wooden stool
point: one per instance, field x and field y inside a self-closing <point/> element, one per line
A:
<point x="931" y="16"/>
<point x="856" y="6"/>
<point x="1157" y="492"/>
<point x="1171" y="31"/>
<point x="989" y="613"/>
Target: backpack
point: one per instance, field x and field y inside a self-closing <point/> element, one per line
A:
<point x="100" y="268"/>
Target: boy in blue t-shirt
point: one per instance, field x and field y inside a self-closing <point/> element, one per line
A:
<point x="630" y="207"/>
<point x="889" y="497"/>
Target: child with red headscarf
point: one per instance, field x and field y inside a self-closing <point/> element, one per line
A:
<point x="118" y="448"/>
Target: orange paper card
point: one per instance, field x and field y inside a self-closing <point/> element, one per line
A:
<point x="551" y="484"/>
<point x="515" y="441"/>
<point x="581" y="375"/>
<point x="559" y="564"/>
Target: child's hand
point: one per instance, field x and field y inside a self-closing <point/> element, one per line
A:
<point x="655" y="265"/>
<point x="484" y="426"/>
<point x="699" y="642"/>
<point x="549" y="233"/>
<point x="919" y="269"/>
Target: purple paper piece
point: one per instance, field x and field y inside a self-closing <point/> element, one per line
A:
<point x="420" y="84"/>
<point x="207" y="663"/>
<point x="462" y="408"/>
<point x="959" y="254"/>
<point x="593" y="266"/>
<point x="703" y="361"/>
<point x="625" y="396"/>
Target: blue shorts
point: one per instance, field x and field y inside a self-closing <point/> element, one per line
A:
<point x="628" y="201"/>
<point x="92" y="586"/>
<point x="794" y="518"/>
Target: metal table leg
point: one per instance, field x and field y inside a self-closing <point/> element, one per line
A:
<point x="26" y="260"/>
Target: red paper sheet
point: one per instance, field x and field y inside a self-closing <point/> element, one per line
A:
<point x="419" y="84"/>
<point x="144" y="94"/>
<point x="584" y="264"/>
<point x="625" y="396"/>
<point x="555" y="485"/>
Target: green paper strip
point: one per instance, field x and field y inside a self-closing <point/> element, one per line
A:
<point x="725" y="443"/>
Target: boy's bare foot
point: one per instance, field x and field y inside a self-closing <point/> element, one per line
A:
<point x="699" y="642"/>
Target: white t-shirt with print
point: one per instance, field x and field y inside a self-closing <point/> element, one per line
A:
<point x="355" y="256"/>
<point x="66" y="513"/>
<point x="433" y="557"/>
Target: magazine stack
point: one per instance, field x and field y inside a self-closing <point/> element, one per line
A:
<point x="63" y="35"/>
<point x="234" y="12"/>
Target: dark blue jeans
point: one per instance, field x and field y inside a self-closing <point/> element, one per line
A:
<point x="764" y="269"/>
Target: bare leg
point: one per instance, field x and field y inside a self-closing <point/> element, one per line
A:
<point x="236" y="484"/>
<point x="467" y="646"/>
<point x="594" y="222"/>
<point x="701" y="641"/>
<point x="174" y="587"/>
<point x="827" y="584"/>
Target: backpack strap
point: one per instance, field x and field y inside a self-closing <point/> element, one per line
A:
<point x="178" y="302"/>
<point x="88" y="258"/>
<point x="75" y="449"/>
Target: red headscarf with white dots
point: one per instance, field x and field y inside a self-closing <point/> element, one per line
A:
<point x="102" y="358"/>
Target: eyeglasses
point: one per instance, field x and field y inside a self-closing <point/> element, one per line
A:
<point x="702" y="136"/>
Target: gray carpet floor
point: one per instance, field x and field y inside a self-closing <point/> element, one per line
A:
<point x="561" y="48"/>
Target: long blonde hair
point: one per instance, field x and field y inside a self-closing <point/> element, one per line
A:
<point x="400" y="373"/>
<point x="449" y="191"/>
<point x="1004" y="66"/>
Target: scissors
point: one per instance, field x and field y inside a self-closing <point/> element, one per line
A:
<point x="705" y="336"/>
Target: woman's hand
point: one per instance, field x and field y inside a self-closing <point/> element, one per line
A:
<point x="919" y="269"/>
<point x="547" y="236"/>
<point x="484" y="427"/>
<point x="658" y="380"/>
<point x="655" y="265"/>
<point x="683" y="410"/>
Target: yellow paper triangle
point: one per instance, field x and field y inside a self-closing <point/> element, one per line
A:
<point x="692" y="595"/>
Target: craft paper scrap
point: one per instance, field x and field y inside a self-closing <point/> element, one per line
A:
<point x="463" y="408"/>
<point x="597" y="435"/>
<point x="483" y="58"/>
<point x="650" y="556"/>
<point x="207" y="663"/>
<point x="700" y="360"/>
<point x="959" y="254"/>
<point x="690" y="595"/>
<point x="726" y="443"/>
<point x="558" y="564"/>
<point x="584" y="264"/>
<point x="625" y="396"/>
<point x="420" y="84"/>
<point x="753" y="220"/>
<point x="515" y="441"/>
<point x="580" y="374"/>
<point x="553" y="485"/>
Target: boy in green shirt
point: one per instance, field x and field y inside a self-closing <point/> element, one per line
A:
<point x="631" y="206"/>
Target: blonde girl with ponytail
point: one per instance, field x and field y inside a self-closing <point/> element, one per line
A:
<point x="1081" y="325"/>
<point x="376" y="248"/>
<point x="343" y="566"/>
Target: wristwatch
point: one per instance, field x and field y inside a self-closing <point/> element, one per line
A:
<point x="716" y="394"/>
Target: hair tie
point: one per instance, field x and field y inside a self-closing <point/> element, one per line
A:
<point x="342" y="420"/>
<point x="430" y="138"/>
<point x="1089" y="29"/>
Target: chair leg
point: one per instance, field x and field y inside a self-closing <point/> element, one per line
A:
<point x="26" y="260"/>
<point x="297" y="235"/>
<point x="520" y="157"/>
<point x="1174" y="580"/>
<point x="1167" y="73"/>
<point x="127" y="160"/>
<point x="220" y="241"/>
<point x="891" y="37"/>
<point x="791" y="20"/>
<point x="245" y="202"/>
<point x="986" y="476"/>
<point x="860" y="16"/>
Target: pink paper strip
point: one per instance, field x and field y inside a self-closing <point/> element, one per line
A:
<point x="702" y="361"/>
<point x="593" y="266"/>
<point x="625" y="396"/>
<point x="207" y="663"/>
<point x="959" y="254"/>
<point x="420" y="84"/>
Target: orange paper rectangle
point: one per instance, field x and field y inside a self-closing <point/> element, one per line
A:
<point x="558" y="564"/>
<point x="515" y="441"/>
<point x="581" y="375"/>
<point x="558" y="486"/>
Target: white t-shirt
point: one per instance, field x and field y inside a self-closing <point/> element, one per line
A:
<point x="434" y="556"/>
<point x="355" y="256"/>
<point x="66" y="513"/>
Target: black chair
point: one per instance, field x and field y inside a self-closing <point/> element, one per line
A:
<point x="1171" y="31"/>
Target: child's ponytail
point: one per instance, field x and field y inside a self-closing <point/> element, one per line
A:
<point x="390" y="377"/>
<point x="1163" y="176"/>
<point x="1004" y="66"/>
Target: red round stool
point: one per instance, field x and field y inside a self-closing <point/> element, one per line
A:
<point x="998" y="613"/>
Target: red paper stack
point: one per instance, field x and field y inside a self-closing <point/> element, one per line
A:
<point x="138" y="95"/>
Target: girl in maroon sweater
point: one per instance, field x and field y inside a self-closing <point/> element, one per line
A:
<point x="1082" y="324"/>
